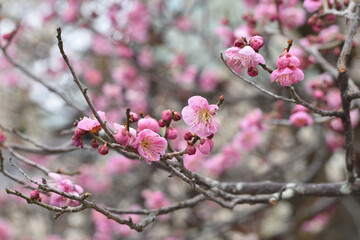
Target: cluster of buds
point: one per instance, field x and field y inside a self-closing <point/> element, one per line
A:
<point x="166" y="117"/>
<point x="205" y="145"/>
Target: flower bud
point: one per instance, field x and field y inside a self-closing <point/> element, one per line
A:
<point x="162" y="123"/>
<point x="133" y="117"/>
<point x="79" y="132"/>
<point x="252" y="71"/>
<point x="239" y="43"/>
<point x="256" y="42"/>
<point x="103" y="150"/>
<point x="188" y="136"/>
<point x="94" y="143"/>
<point x="177" y="116"/>
<point x="123" y="137"/>
<point x="190" y="149"/>
<point x="171" y="133"/>
<point x="167" y="115"/>
<point x="35" y="195"/>
<point x="77" y="141"/>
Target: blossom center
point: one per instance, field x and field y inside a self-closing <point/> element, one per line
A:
<point x="204" y="116"/>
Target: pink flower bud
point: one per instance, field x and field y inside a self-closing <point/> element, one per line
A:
<point x="256" y="42"/>
<point x="94" y="143"/>
<point x="171" y="133"/>
<point x="35" y="195"/>
<point x="77" y="141"/>
<point x="252" y="71"/>
<point x="162" y="123"/>
<point x="79" y="132"/>
<point x="133" y="117"/>
<point x="206" y="145"/>
<point x="188" y="136"/>
<point x="103" y="150"/>
<point x="167" y="115"/>
<point x="148" y="123"/>
<point x="239" y="43"/>
<point x="177" y="116"/>
<point x="190" y="149"/>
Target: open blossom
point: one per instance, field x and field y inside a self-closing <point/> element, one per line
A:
<point x="151" y="145"/>
<point x="288" y="71"/>
<point x="245" y="57"/>
<point x="91" y="124"/>
<point x="200" y="116"/>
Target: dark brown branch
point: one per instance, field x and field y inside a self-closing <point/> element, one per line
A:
<point x="300" y="101"/>
<point x="352" y="164"/>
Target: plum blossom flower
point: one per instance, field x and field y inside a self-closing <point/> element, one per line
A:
<point x="151" y="145"/>
<point x="200" y="116"/>
<point x="91" y="124"/>
<point x="246" y="57"/>
<point x="288" y="71"/>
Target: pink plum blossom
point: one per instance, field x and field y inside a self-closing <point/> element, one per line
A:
<point x="253" y="120"/>
<point x="200" y="116"/>
<point x="288" y="71"/>
<point x="226" y="34"/>
<point x="245" y="57"/>
<point x="64" y="185"/>
<point x="2" y="137"/>
<point x="145" y="58"/>
<point x="194" y="162"/>
<point x="91" y="124"/>
<point x="151" y="145"/>
<point x="301" y="119"/>
<point x="292" y="17"/>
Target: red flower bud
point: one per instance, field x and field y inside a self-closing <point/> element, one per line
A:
<point x="162" y="123"/>
<point x="35" y="195"/>
<point x="177" y="116"/>
<point x="94" y="143"/>
<point x="188" y="136"/>
<point x="190" y="149"/>
<point x="103" y="150"/>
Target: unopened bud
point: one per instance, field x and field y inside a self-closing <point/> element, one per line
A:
<point x="171" y="133"/>
<point x="167" y="115"/>
<point x="103" y="150"/>
<point x="35" y="195"/>
<point x="162" y="123"/>
<point x="190" y="149"/>
<point x="177" y="116"/>
<point x="188" y="136"/>
<point x="94" y="143"/>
